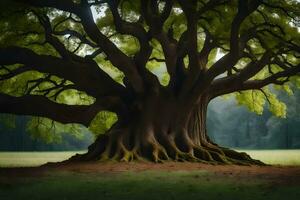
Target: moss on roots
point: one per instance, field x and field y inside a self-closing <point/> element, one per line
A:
<point x="115" y="149"/>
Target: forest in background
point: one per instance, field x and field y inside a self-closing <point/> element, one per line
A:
<point x="19" y="138"/>
<point x="228" y="124"/>
<point x="234" y="126"/>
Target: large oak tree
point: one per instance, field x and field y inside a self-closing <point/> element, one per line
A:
<point x="156" y="64"/>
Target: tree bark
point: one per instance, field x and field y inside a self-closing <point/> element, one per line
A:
<point x="161" y="128"/>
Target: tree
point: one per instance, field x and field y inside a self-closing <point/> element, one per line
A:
<point x="67" y="60"/>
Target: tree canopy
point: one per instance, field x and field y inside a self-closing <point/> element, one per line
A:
<point x="68" y="60"/>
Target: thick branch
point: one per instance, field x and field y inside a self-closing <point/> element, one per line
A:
<point x="189" y="10"/>
<point x="113" y="53"/>
<point x="279" y="78"/>
<point x="228" y="61"/>
<point x="137" y="30"/>
<point x="246" y="73"/>
<point x="156" y="20"/>
<point x="43" y="107"/>
<point x="83" y="75"/>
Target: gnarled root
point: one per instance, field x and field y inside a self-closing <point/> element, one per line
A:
<point x="115" y="147"/>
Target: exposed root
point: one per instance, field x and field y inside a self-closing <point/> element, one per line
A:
<point x="200" y="152"/>
<point x="114" y="149"/>
<point x="240" y="158"/>
<point x="159" y="154"/>
<point x="178" y="134"/>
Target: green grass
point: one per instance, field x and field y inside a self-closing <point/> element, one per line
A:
<point x="30" y="159"/>
<point x="147" y="185"/>
<point x="276" y="157"/>
<point x="27" y="159"/>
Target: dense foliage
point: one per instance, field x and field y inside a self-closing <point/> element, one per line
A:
<point x="78" y="62"/>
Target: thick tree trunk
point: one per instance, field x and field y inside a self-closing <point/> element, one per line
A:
<point x="161" y="129"/>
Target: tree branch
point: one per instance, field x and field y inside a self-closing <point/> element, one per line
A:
<point x="83" y="75"/>
<point x="43" y="107"/>
<point x="137" y="30"/>
<point x="156" y="20"/>
<point x="278" y="78"/>
<point x="113" y="53"/>
<point x="229" y="60"/>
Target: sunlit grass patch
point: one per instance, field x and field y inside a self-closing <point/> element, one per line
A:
<point x="276" y="157"/>
<point x="28" y="159"/>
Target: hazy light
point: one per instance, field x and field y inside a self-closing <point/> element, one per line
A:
<point x="219" y="55"/>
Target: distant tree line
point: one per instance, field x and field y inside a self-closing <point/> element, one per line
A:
<point x="17" y="137"/>
<point x="234" y="126"/>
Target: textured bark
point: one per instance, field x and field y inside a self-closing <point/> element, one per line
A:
<point x="163" y="129"/>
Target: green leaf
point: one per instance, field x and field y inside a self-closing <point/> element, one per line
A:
<point x="102" y="122"/>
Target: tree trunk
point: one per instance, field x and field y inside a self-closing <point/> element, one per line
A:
<point x="162" y="128"/>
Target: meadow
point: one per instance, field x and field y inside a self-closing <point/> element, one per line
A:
<point x="146" y="185"/>
<point x="148" y="181"/>
<point x="276" y="157"/>
<point x="32" y="159"/>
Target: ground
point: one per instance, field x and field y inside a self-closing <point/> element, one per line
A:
<point x="133" y="181"/>
<point x="29" y="159"/>
<point x="150" y="181"/>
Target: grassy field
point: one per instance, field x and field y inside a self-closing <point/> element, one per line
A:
<point x="146" y="185"/>
<point x="28" y="159"/>
<point x="32" y="159"/>
<point x="177" y="181"/>
<point x="276" y="157"/>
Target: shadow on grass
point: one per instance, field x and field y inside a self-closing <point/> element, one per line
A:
<point x="146" y="185"/>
